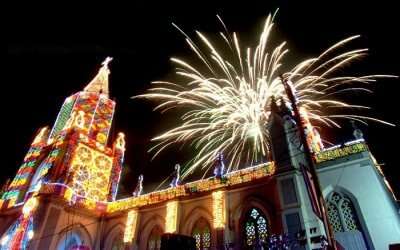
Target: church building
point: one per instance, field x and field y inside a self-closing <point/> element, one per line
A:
<point x="63" y="196"/>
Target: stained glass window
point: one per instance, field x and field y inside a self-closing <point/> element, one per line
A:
<point x="255" y="228"/>
<point x="341" y="213"/>
<point x="201" y="233"/>
<point x="154" y="242"/>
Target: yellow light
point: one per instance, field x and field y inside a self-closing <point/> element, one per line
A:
<point x="331" y="154"/>
<point x="172" y="216"/>
<point x="80" y="119"/>
<point x="92" y="170"/>
<point x="40" y="136"/>
<point x="219" y="209"/>
<point x="29" y="206"/>
<point x="30" y="234"/>
<point x="120" y="142"/>
<point x="50" y="141"/>
<point x="68" y="194"/>
<point x="130" y="226"/>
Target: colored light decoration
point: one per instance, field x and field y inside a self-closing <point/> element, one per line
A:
<point x="120" y="142"/>
<point x="17" y="189"/>
<point x="218" y="198"/>
<point x="91" y="170"/>
<point x="172" y="216"/>
<point x="80" y="119"/>
<point x="205" y="185"/>
<point x="29" y="206"/>
<point x="331" y="154"/>
<point x="41" y="135"/>
<point x="130" y="226"/>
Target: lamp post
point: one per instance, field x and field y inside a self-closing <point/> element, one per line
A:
<point x="310" y="162"/>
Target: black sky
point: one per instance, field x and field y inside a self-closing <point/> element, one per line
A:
<point x="54" y="50"/>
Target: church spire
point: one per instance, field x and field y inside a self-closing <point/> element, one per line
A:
<point x="99" y="84"/>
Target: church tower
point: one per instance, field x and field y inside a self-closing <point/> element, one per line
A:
<point x="359" y="203"/>
<point x="75" y="151"/>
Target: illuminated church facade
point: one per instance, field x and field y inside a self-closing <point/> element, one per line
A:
<point x="64" y="194"/>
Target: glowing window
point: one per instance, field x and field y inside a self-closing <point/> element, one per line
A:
<point x="202" y="234"/>
<point x="255" y="228"/>
<point x="154" y="242"/>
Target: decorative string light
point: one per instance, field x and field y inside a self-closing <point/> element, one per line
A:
<point x="29" y="206"/>
<point x="172" y="216"/>
<point x="120" y="142"/>
<point x="130" y="226"/>
<point x="218" y="198"/>
<point x="331" y="154"/>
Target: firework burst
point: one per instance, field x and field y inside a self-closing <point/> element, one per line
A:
<point x="227" y="104"/>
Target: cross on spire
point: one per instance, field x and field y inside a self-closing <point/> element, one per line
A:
<point x="99" y="84"/>
<point x="106" y="61"/>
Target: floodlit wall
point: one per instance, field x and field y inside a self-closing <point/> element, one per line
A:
<point x="356" y="177"/>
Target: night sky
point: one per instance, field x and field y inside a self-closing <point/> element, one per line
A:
<point x="55" y="50"/>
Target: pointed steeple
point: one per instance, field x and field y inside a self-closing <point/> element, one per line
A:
<point x="99" y="84"/>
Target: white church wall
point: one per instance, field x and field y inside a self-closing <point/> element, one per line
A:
<point x="360" y="181"/>
<point x="310" y="223"/>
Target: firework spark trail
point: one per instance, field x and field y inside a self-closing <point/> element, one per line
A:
<point x="229" y="103"/>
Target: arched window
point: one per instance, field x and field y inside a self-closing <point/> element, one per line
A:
<point x="118" y="242"/>
<point x="255" y="228"/>
<point x="202" y="234"/>
<point x="154" y="242"/>
<point x="342" y="214"/>
<point x="344" y="221"/>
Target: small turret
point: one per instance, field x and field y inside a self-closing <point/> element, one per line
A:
<point x="139" y="187"/>
<point x="176" y="179"/>
<point x="219" y="169"/>
<point x="357" y="133"/>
